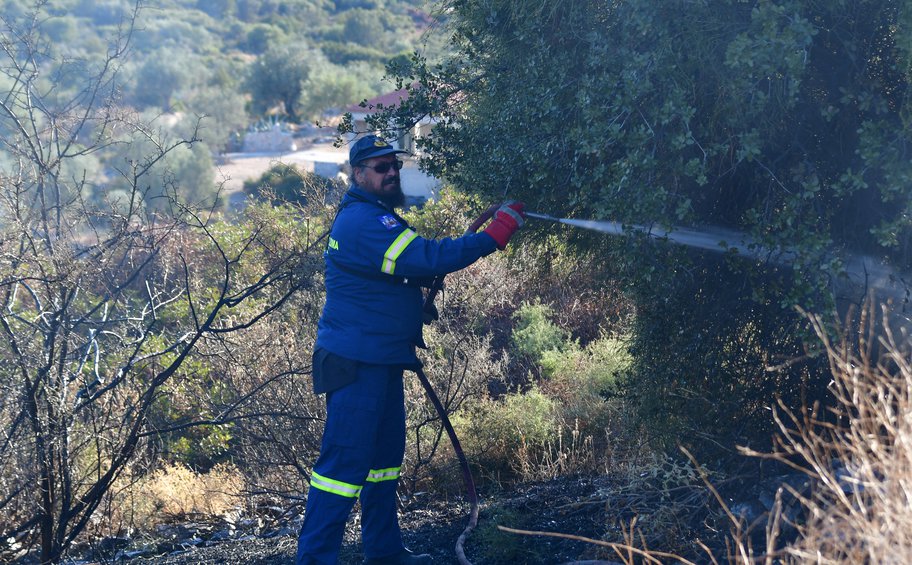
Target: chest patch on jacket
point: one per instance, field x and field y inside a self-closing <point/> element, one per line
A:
<point x="389" y="221"/>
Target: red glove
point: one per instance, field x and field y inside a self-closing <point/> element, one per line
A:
<point x="507" y="220"/>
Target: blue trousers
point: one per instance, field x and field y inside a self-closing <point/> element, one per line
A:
<point x="360" y="457"/>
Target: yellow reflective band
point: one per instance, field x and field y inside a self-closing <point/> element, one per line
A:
<point x="395" y="250"/>
<point x="335" y="487"/>
<point x="378" y="475"/>
<point x="333" y="244"/>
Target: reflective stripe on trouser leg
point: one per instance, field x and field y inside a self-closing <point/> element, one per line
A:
<point x="333" y="486"/>
<point x="379" y="475"/>
<point x="351" y="440"/>
<point x="324" y="526"/>
<point x="379" y="504"/>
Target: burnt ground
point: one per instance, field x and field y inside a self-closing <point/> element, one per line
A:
<point x="676" y="518"/>
<point x="565" y="505"/>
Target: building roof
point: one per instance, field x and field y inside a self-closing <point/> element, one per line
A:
<point x="388" y="100"/>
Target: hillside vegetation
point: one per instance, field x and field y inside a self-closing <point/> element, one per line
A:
<point x="155" y="348"/>
<point x="209" y="71"/>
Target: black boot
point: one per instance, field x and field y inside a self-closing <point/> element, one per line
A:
<point x="405" y="557"/>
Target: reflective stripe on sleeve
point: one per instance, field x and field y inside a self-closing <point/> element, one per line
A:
<point x="378" y="475"/>
<point x="336" y="487"/>
<point x="396" y="249"/>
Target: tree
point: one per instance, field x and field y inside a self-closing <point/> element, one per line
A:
<point x="333" y="86"/>
<point x="362" y="27"/>
<point x="287" y="184"/>
<point x="223" y="115"/>
<point x="103" y="302"/>
<point x="218" y="9"/>
<point x="163" y="73"/>
<point x="261" y="37"/>
<point x="184" y="175"/>
<point x="787" y="120"/>
<point x="276" y="79"/>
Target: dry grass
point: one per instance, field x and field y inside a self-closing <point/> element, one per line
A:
<point x="170" y="494"/>
<point x="177" y="491"/>
<point x="571" y="453"/>
<point x="859" y="453"/>
<point x="141" y="501"/>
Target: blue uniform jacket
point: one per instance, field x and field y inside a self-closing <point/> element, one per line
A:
<point x="379" y="321"/>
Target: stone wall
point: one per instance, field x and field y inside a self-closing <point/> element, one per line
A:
<point x="272" y="141"/>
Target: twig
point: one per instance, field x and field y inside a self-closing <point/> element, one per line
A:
<point x="648" y="555"/>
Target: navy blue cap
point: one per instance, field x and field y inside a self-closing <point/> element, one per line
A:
<point x="368" y="147"/>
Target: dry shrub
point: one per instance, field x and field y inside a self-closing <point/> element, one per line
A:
<point x="858" y="453"/>
<point x="141" y="500"/>
<point x="569" y="454"/>
<point x="460" y="366"/>
<point x="176" y="491"/>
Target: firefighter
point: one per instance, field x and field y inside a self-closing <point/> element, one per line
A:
<point x="371" y="324"/>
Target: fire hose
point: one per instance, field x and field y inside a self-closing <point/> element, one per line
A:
<point x="429" y="311"/>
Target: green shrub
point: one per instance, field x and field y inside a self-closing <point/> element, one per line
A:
<point x="500" y="434"/>
<point x="498" y="546"/>
<point x="448" y="215"/>
<point x="585" y="385"/>
<point x="598" y="367"/>
<point x="536" y="336"/>
<point x="284" y="183"/>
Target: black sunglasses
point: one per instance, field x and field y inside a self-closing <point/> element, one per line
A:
<point x="384" y="167"/>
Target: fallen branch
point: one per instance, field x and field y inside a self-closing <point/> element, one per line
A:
<point x="650" y="556"/>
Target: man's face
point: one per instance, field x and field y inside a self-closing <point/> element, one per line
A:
<point x="385" y="185"/>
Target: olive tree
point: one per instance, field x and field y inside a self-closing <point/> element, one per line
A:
<point x="276" y="79"/>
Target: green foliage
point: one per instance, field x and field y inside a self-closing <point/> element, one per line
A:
<point x="786" y="120"/>
<point x="277" y="79"/>
<point x="356" y="5"/>
<point x="260" y="37"/>
<point x="332" y="86"/>
<point x="341" y="53"/>
<point x="712" y="356"/>
<point x="536" y="336"/>
<point x="586" y="383"/>
<point x="161" y="75"/>
<point x="177" y="45"/>
<point x="218" y="9"/>
<point x="287" y="184"/>
<point x="200" y="447"/>
<point x="558" y="426"/>
<point x="595" y="371"/>
<point x="223" y="115"/>
<point x="447" y="216"/>
<point x="499" y="546"/>
<point x="185" y="175"/>
<point x="682" y="126"/>
<point x="362" y="27"/>
<point x="502" y="434"/>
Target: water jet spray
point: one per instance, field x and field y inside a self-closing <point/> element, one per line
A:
<point x="860" y="273"/>
<point x="720" y="240"/>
